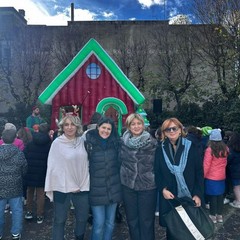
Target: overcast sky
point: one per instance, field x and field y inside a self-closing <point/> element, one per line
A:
<point x="57" y="12"/>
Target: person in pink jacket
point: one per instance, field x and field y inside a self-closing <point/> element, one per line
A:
<point x="214" y="166"/>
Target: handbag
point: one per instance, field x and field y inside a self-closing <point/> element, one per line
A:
<point x="185" y="221"/>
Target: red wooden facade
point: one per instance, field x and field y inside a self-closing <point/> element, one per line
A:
<point x="93" y="82"/>
<point x="85" y="92"/>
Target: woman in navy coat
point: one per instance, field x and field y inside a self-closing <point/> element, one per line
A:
<point x="36" y="153"/>
<point x="177" y="158"/>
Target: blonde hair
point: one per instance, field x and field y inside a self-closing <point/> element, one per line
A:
<point x="167" y="123"/>
<point x="75" y="120"/>
<point x="131" y="117"/>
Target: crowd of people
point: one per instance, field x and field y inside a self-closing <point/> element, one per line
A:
<point x="93" y="170"/>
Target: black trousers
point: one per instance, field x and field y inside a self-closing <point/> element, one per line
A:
<point x="140" y="212"/>
<point x="216" y="204"/>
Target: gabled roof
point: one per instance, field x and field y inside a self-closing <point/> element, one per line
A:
<point x="91" y="47"/>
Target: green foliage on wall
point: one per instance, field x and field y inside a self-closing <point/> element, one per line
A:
<point x="217" y="113"/>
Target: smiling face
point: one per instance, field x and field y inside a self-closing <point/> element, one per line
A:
<point x="136" y="127"/>
<point x="105" y="130"/>
<point x="172" y="132"/>
<point x="69" y="129"/>
<point x="172" y="128"/>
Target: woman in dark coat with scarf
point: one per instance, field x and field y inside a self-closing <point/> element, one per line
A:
<point x="102" y="146"/>
<point x="178" y="168"/>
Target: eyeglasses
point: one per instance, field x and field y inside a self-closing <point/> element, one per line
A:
<point x="174" y="129"/>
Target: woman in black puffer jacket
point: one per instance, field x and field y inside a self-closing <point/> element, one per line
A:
<point x="36" y="153"/>
<point x="105" y="188"/>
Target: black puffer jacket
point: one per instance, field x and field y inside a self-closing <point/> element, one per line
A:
<point x="36" y="153"/>
<point x="105" y="187"/>
<point x="13" y="166"/>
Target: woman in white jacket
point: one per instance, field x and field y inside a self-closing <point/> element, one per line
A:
<point x="68" y="177"/>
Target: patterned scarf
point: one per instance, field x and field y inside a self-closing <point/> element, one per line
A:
<point x="183" y="190"/>
<point x="136" y="142"/>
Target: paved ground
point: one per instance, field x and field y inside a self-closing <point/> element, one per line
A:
<point x="229" y="230"/>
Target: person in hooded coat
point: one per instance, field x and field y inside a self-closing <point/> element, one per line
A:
<point x="36" y="153"/>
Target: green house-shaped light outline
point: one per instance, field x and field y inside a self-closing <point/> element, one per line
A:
<point x="117" y="104"/>
<point x="91" y="47"/>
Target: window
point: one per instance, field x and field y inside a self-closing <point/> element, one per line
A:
<point x="93" y="71"/>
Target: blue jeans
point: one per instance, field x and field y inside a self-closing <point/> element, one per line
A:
<point x="16" y="206"/>
<point x="61" y="203"/>
<point x="103" y="221"/>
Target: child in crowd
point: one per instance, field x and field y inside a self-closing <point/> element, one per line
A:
<point x="214" y="164"/>
<point x="25" y="135"/>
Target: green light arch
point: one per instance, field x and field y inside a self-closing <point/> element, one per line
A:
<point x="115" y="103"/>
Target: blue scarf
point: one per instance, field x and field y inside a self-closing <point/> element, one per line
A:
<point x="183" y="190"/>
